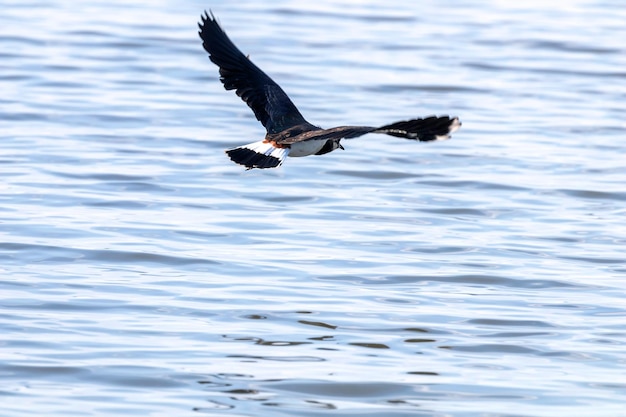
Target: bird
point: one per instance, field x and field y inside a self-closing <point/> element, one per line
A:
<point x="288" y="133"/>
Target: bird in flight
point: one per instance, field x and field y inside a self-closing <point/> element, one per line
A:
<point x="288" y="133"/>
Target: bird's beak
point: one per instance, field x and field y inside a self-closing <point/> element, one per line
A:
<point x="341" y="147"/>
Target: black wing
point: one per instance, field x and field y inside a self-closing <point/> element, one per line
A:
<point x="423" y="129"/>
<point x="271" y="106"/>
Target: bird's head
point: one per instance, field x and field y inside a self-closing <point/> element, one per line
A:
<point x="329" y="146"/>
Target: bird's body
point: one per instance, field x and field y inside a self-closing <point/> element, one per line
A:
<point x="288" y="133"/>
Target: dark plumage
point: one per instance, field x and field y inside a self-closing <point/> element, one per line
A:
<point x="288" y="133"/>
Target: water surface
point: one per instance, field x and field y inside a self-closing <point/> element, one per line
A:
<point x="145" y="274"/>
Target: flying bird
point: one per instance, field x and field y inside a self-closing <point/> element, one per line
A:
<point x="288" y="133"/>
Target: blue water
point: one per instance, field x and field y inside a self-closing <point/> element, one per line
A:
<point x="145" y="274"/>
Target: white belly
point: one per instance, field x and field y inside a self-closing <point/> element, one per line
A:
<point x="306" y="148"/>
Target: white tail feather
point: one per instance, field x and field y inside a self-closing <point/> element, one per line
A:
<point x="259" y="154"/>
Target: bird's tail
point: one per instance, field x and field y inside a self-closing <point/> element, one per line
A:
<point x="259" y="154"/>
<point x="426" y="129"/>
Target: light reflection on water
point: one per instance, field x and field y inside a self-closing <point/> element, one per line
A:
<point x="146" y="274"/>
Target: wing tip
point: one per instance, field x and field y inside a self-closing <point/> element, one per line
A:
<point x="425" y="129"/>
<point x="454" y="125"/>
<point x="207" y="17"/>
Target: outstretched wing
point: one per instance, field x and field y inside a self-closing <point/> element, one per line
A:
<point x="423" y="129"/>
<point x="271" y="106"/>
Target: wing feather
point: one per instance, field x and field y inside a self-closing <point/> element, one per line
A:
<point x="271" y="106"/>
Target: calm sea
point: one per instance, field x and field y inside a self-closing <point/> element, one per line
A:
<point x="144" y="274"/>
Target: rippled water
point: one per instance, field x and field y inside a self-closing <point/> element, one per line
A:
<point x="145" y="274"/>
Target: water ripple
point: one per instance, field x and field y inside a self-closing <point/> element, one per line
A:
<point x="58" y="254"/>
<point x="145" y="274"/>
